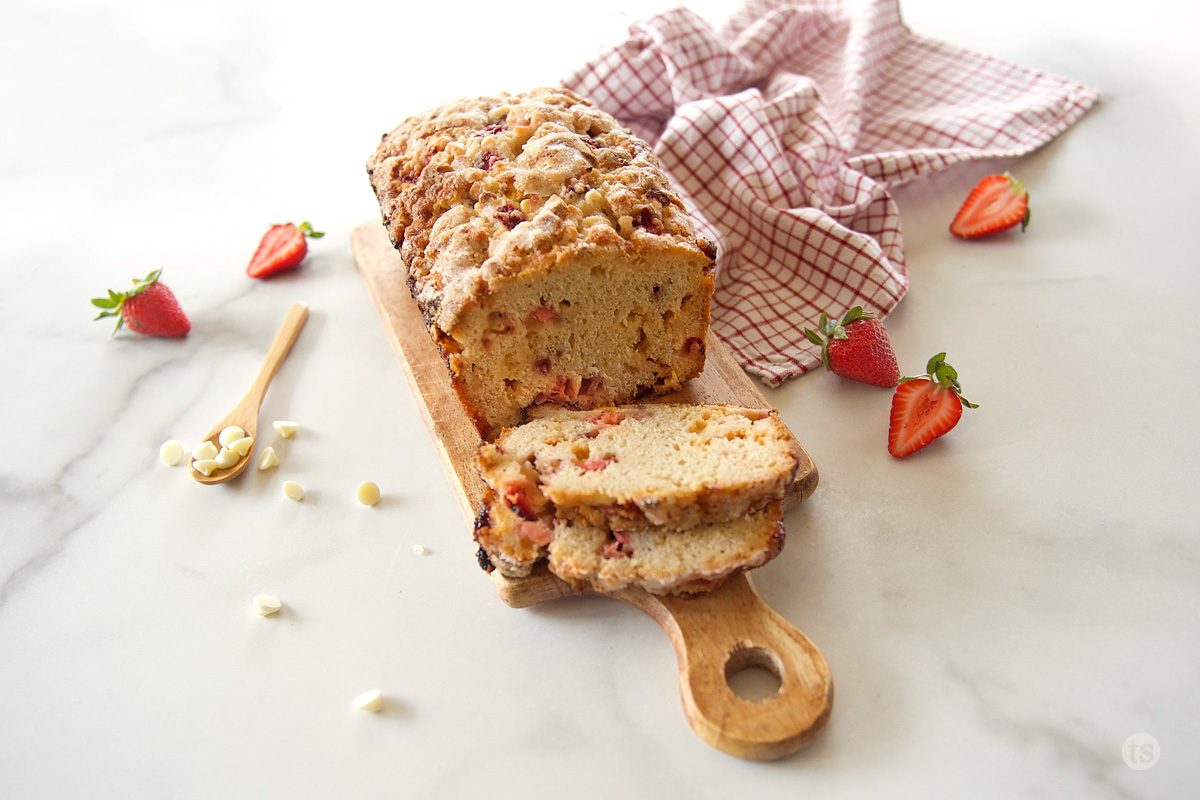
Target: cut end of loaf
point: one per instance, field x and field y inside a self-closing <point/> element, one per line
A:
<point x="590" y="333"/>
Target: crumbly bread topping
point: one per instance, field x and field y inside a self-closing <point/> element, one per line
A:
<point x="638" y="467"/>
<point x="480" y="189"/>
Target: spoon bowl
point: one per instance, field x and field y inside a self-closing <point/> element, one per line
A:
<point x="245" y="414"/>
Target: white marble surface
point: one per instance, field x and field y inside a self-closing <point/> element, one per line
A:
<point x="1000" y="612"/>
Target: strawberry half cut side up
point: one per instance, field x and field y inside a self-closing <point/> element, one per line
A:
<point x="997" y="203"/>
<point x="856" y="347"/>
<point x="925" y="407"/>
<point x="149" y="308"/>
<point x="282" y="248"/>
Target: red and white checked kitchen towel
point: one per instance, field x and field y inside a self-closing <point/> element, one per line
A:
<point x="784" y="130"/>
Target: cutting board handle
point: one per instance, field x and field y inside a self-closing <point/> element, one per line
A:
<point x="721" y="633"/>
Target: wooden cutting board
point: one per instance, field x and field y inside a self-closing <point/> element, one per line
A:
<point x="716" y="634"/>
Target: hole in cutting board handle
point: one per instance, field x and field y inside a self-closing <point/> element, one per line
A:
<point x="754" y="673"/>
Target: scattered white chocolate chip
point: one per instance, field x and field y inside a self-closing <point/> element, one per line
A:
<point x="227" y="458"/>
<point x="230" y="434"/>
<point x="367" y="493"/>
<point x="285" y="428"/>
<point x="369" y="701"/>
<point x="242" y="446"/>
<point x="171" y="453"/>
<point x="293" y="490"/>
<point x="204" y="451"/>
<point x="268" y="459"/>
<point x="419" y="550"/>
<point x="205" y="466"/>
<point x="265" y="604"/>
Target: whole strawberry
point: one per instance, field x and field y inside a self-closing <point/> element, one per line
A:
<point x="149" y="308"/>
<point x="282" y="248"/>
<point x="857" y="347"/>
<point x="925" y="407"/>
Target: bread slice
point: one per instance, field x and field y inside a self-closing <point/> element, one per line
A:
<point x="664" y="560"/>
<point x="550" y="257"/>
<point x="658" y="560"/>
<point x="641" y="467"/>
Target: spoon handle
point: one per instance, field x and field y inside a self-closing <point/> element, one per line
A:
<point x="296" y="317"/>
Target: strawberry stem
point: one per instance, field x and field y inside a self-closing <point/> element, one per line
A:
<point x="939" y="372"/>
<point x="113" y="303"/>
<point x="834" y="329"/>
<point x="307" y="229"/>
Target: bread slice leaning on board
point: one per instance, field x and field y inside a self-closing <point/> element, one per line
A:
<point x="659" y="560"/>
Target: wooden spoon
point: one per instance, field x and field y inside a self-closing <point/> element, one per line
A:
<point x="245" y="414"/>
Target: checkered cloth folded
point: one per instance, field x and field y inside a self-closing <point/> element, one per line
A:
<point x="785" y="129"/>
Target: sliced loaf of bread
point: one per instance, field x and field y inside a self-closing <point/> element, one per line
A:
<point x="641" y="467"/>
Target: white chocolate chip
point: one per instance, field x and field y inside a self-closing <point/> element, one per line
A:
<point x="265" y="604"/>
<point x="242" y="446"/>
<point x="268" y="459"/>
<point x="285" y="428"/>
<point x="204" y="451"/>
<point x="171" y="453"/>
<point x="419" y="550"/>
<point x="369" y="701"/>
<point x="205" y="466"/>
<point x="230" y="434"/>
<point x="293" y="490"/>
<point x="367" y="493"/>
<point x="227" y="458"/>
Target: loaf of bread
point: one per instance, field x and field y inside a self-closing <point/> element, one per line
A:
<point x="639" y="467"/>
<point x="660" y="560"/>
<point x="550" y="258"/>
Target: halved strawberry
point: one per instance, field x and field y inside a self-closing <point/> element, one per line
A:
<point x="997" y="203"/>
<point x="925" y="407"/>
<point x="282" y="247"/>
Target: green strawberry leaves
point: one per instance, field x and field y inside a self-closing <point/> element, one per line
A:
<point x="111" y="305"/>
<point x="307" y="229"/>
<point x="830" y="329"/>
<point x="944" y="375"/>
